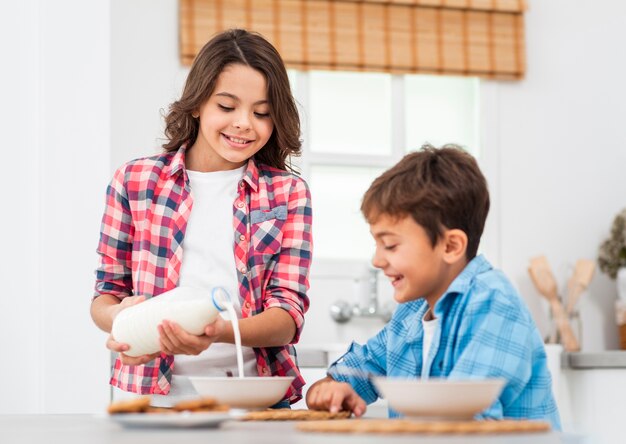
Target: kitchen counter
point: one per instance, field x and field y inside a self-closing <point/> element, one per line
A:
<point x="80" y="429"/>
<point x="312" y="356"/>
<point x="594" y="360"/>
<point x="319" y="355"/>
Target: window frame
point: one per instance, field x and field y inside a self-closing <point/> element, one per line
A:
<point x="486" y="152"/>
<point x="309" y="158"/>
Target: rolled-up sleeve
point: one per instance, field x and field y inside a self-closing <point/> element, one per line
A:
<point x="289" y="281"/>
<point x="114" y="272"/>
<point x="360" y="363"/>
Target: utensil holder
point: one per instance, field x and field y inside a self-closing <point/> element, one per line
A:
<point x="575" y="320"/>
<point x="577" y="324"/>
<point x="622" y="336"/>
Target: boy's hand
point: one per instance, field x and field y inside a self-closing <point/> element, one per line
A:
<point x="328" y="394"/>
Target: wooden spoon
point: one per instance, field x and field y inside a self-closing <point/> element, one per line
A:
<point x="578" y="282"/>
<point x="542" y="277"/>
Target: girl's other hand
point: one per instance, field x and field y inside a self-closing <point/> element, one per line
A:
<point x="120" y="348"/>
<point x="176" y="341"/>
<point x="128" y="301"/>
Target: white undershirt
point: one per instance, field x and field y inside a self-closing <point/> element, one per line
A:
<point x="208" y="261"/>
<point x="429" y="331"/>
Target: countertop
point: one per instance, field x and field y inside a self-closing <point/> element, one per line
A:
<point x="320" y="355"/>
<point x="80" y="429"/>
<point x="608" y="359"/>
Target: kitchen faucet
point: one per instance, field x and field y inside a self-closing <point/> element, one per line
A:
<point x="342" y="311"/>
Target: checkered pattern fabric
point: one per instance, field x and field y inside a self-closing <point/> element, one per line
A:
<point x="147" y="207"/>
<point x="485" y="331"/>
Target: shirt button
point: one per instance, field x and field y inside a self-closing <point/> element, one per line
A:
<point x="241" y="184"/>
<point x="247" y="305"/>
<point x="242" y="237"/>
<point x="264" y="371"/>
<point x="239" y="204"/>
<point x="243" y="270"/>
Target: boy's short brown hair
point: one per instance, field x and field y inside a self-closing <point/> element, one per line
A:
<point x="439" y="188"/>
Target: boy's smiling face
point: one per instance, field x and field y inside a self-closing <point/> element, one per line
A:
<point x="406" y="255"/>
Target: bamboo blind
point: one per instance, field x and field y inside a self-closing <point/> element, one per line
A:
<point x="459" y="37"/>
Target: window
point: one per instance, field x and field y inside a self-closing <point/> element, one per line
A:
<point x="356" y="125"/>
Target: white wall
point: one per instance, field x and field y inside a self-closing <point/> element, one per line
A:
<point x="82" y="86"/>
<point x="146" y="75"/>
<point x="20" y="121"/>
<point x="55" y="125"/>
<point x="561" y="141"/>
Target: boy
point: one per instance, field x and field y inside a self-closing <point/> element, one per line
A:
<point x="458" y="318"/>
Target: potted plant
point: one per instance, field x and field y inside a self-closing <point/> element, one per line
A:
<point x="612" y="261"/>
<point x="612" y="254"/>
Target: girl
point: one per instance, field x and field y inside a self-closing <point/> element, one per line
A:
<point x="217" y="208"/>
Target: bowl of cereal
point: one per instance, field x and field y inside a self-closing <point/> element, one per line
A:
<point x="446" y="399"/>
<point x="249" y="392"/>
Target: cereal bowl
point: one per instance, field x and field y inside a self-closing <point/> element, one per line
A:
<point x="439" y="398"/>
<point x="243" y="393"/>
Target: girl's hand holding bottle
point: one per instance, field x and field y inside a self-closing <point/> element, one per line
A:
<point x="175" y="340"/>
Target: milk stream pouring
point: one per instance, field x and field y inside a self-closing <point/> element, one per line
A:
<point x="191" y="308"/>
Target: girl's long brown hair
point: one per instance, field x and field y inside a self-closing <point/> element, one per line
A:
<point x="250" y="49"/>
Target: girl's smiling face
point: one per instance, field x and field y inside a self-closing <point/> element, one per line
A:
<point x="235" y="121"/>
<point x="406" y="255"/>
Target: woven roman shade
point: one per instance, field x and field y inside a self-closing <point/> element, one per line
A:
<point x="459" y="37"/>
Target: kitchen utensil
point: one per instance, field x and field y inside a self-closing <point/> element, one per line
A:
<point x="578" y="282"/>
<point x="544" y="281"/>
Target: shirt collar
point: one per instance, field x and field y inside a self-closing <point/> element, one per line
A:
<point x="251" y="176"/>
<point x="461" y="284"/>
<point x="177" y="164"/>
<point x="413" y="322"/>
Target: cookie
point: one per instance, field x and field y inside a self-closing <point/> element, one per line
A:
<point x="199" y="404"/>
<point x="159" y="410"/>
<point x="136" y="405"/>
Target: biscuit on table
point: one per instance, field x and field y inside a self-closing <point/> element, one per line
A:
<point x="152" y="409"/>
<point x="136" y="405"/>
<point x="199" y="404"/>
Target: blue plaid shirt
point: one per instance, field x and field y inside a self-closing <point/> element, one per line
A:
<point x="485" y="330"/>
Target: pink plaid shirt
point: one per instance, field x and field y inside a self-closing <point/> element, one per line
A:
<point x="148" y="205"/>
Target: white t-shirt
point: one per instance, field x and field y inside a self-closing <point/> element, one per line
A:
<point x="209" y="261"/>
<point x="429" y="331"/>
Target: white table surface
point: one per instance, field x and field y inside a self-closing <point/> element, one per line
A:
<point x="97" y="429"/>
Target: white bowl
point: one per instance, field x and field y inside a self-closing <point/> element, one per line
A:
<point x="244" y="393"/>
<point x="439" y="398"/>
